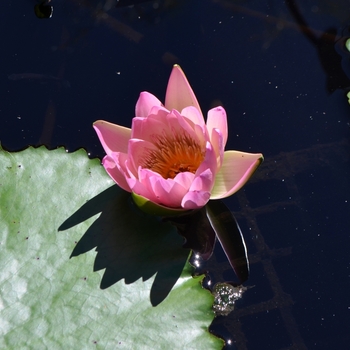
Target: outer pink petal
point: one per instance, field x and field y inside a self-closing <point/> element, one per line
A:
<point x="217" y="119"/>
<point x="236" y="170"/>
<point x="168" y="192"/>
<point x="144" y="104"/>
<point x="114" y="165"/>
<point x="195" y="199"/>
<point x="203" y="182"/>
<point x="210" y="163"/>
<point x="113" y="137"/>
<point x="156" y="209"/>
<point x="147" y="178"/>
<point x="140" y="189"/>
<point x="199" y="192"/>
<point x="141" y="184"/>
<point x="152" y="186"/>
<point x="179" y="93"/>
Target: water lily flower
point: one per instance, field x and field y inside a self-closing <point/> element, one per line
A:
<point x="171" y="160"/>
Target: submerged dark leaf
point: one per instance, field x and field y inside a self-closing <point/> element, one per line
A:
<point x="325" y="46"/>
<point x="43" y="10"/>
<point x="196" y="229"/>
<point x="230" y="237"/>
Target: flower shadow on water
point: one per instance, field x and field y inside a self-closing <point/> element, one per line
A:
<point x="129" y="243"/>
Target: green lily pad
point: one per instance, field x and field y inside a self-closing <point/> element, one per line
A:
<point x="347" y="44"/>
<point x="49" y="301"/>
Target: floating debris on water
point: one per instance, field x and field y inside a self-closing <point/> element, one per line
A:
<point x="225" y="297"/>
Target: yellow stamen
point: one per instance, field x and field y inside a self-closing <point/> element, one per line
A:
<point x="174" y="154"/>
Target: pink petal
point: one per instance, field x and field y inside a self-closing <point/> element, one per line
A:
<point x="185" y="179"/>
<point x="202" y="134"/>
<point x="217" y="119"/>
<point x="114" y="166"/>
<point x="203" y="182"/>
<point x="144" y="104"/>
<point x="236" y="170"/>
<point x="194" y="115"/>
<point x="179" y="93"/>
<point x="195" y="199"/>
<point x="130" y="170"/>
<point x="138" y="150"/>
<point x="218" y="145"/>
<point x="147" y="178"/>
<point x="145" y="128"/>
<point x="141" y="186"/>
<point x="210" y="163"/>
<point x="177" y="124"/>
<point x="199" y="192"/>
<point x="154" y="208"/>
<point x="113" y="137"/>
<point x="155" y="110"/>
<point x="169" y="192"/>
<point x="159" y="190"/>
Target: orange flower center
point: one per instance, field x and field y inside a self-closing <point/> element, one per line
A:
<point x="174" y="155"/>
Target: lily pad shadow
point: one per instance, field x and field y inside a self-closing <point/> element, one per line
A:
<point x="129" y="244"/>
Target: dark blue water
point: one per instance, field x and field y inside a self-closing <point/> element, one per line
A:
<point x="283" y="86"/>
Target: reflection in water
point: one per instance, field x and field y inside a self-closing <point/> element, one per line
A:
<point x="196" y="260"/>
<point x="98" y="11"/>
<point x="124" y="3"/>
<point x="324" y="42"/>
<point x="39" y="77"/>
<point x="51" y="110"/>
<point x="326" y="49"/>
<point x="49" y="124"/>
